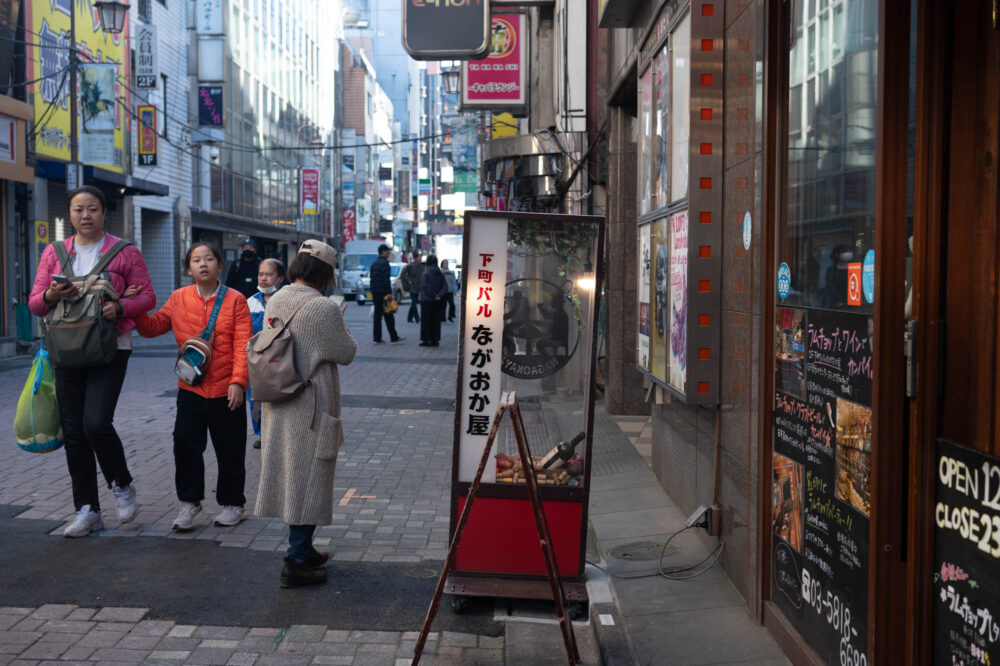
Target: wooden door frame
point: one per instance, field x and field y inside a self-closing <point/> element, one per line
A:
<point x="887" y="628"/>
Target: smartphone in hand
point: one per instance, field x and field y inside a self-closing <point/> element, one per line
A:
<point x="61" y="279"/>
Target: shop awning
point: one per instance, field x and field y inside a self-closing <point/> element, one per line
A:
<point x="110" y="182"/>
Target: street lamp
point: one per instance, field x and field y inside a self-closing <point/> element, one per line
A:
<point x="449" y="78"/>
<point x="112" y="13"/>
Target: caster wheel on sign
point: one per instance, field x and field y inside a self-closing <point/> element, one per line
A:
<point x="459" y="604"/>
<point x="576" y="610"/>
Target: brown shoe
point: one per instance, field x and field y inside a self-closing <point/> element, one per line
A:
<point x="317" y="558"/>
<point x="297" y="574"/>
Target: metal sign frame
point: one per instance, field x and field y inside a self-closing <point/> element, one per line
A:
<point x="471" y="53"/>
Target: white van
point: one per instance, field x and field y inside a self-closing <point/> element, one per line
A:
<point x="358" y="258"/>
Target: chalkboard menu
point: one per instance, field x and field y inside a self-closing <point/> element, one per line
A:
<point x="820" y="479"/>
<point x="966" y="556"/>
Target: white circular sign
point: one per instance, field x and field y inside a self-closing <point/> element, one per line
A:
<point x="747" y="232"/>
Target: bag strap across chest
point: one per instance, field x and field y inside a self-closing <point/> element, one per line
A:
<point x="210" y="327"/>
<point x="66" y="266"/>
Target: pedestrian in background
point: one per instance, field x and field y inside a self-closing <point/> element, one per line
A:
<point x="215" y="405"/>
<point x="381" y="283"/>
<point x="452" y="282"/>
<point x="301" y="436"/>
<point x="270" y="278"/>
<point x="433" y="288"/>
<point x="243" y="273"/>
<point x="88" y="397"/>
<point x="409" y="280"/>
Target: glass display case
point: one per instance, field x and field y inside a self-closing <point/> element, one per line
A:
<point x="530" y="300"/>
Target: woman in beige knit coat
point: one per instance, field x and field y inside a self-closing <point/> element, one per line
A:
<point x="300" y="437"/>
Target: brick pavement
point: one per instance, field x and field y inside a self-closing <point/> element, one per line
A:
<point x="65" y="634"/>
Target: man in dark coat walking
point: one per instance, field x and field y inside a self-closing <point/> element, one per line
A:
<point x="243" y="273"/>
<point x="381" y="283"/>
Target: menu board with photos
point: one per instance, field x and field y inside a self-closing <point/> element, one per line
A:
<point x="820" y="481"/>
<point x="966" y="556"/>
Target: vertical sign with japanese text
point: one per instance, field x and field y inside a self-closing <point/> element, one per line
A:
<point x="348" y="225"/>
<point x="499" y="80"/>
<point x="210" y="106"/>
<point x="208" y="17"/>
<point x="309" y="191"/>
<point x="147" y="68"/>
<point x="147" y="134"/>
<point x="484" y="279"/>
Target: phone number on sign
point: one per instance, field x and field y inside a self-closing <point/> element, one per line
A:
<point x="838" y="615"/>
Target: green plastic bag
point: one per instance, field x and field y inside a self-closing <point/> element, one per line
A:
<point x="37" y="426"/>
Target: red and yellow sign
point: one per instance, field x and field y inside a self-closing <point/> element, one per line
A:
<point x="501" y="79"/>
<point x="147" y="134"/>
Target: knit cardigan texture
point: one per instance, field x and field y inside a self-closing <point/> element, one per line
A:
<point x="298" y="454"/>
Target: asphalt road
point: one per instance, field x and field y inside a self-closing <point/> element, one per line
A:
<point x="200" y="582"/>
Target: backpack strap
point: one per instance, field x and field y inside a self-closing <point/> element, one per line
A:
<point x="65" y="265"/>
<point x="105" y="259"/>
<point x="219" y="297"/>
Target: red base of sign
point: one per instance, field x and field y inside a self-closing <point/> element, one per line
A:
<point x="501" y="538"/>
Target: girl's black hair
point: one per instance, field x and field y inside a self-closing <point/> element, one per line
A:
<point x="87" y="189"/>
<point x="215" y="251"/>
<point x="430" y="260"/>
<point x="309" y="269"/>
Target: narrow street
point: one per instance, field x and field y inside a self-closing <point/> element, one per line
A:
<point x="141" y="592"/>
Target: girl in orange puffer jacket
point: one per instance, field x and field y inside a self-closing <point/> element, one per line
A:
<point x="215" y="406"/>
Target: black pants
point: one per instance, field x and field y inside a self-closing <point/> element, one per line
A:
<point x="431" y="313"/>
<point x="450" y="300"/>
<point x="87" y="400"/>
<point x="378" y="300"/>
<point x="197" y="417"/>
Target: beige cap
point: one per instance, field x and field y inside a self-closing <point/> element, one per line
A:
<point x="321" y="251"/>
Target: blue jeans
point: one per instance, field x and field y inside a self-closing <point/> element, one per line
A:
<point x="414" y="313"/>
<point x="300" y="542"/>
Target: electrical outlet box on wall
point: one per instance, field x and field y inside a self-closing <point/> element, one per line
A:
<point x="714" y="518"/>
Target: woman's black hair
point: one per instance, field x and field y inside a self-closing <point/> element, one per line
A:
<point x="311" y="270"/>
<point x="215" y="251"/>
<point x="431" y="260"/>
<point x="87" y="189"/>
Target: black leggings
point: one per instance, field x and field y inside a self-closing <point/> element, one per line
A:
<point x="87" y="401"/>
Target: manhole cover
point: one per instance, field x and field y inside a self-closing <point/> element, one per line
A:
<point x="642" y="550"/>
<point x="422" y="573"/>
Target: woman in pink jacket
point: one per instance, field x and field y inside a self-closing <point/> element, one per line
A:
<point x="88" y="396"/>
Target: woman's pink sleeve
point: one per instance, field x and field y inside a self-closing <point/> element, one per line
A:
<point x="36" y="302"/>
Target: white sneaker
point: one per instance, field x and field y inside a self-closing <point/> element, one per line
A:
<point x="87" y="520"/>
<point x="185" y="517"/>
<point x="230" y="516"/>
<point x="127" y="505"/>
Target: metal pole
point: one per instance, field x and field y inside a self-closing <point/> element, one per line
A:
<point x="74" y="59"/>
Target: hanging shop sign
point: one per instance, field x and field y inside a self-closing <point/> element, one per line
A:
<point x="446" y="29"/>
<point x="147" y="134"/>
<point x="103" y="98"/>
<point x="821" y="478"/>
<point x="308" y="191"/>
<point x="966" y="556"/>
<point x="210" y="106"/>
<point x="348" y="225"/>
<point x="501" y="79"/>
<point x="147" y="67"/>
<point x="209" y="17"/>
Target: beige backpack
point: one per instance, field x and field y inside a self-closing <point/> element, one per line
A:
<point x="271" y="363"/>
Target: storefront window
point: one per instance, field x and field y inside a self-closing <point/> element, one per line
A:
<point x="645" y="142"/>
<point x="826" y="238"/>
<point x="680" y="129"/>
<point x="661" y="78"/>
